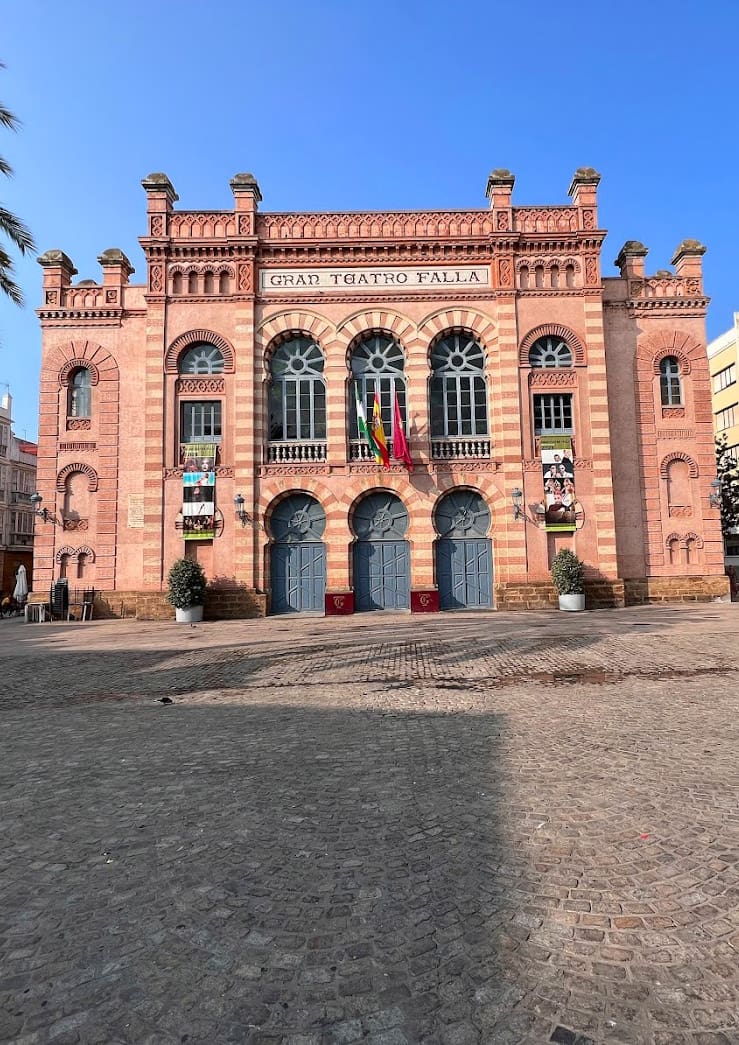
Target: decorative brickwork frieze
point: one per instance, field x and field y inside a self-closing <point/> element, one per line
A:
<point x="545" y="219"/>
<point x="200" y="386"/>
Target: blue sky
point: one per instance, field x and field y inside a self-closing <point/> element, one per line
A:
<point x="345" y="104"/>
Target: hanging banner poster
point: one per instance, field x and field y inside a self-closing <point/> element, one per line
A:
<point x="559" y="482"/>
<point x="198" y="492"/>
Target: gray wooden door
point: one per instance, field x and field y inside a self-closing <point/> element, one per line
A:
<point x="464" y="570"/>
<point x="382" y="573"/>
<point x="463" y="574"/>
<point x="297" y="556"/>
<point x="298" y="577"/>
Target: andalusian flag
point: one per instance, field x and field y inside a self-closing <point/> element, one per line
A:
<point x="364" y="432"/>
<point x="382" y="455"/>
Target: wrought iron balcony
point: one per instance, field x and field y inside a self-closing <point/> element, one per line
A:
<point x="296" y="451"/>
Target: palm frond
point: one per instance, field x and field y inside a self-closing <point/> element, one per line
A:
<point x="15" y="230"/>
<point x="8" y="287"/>
<point x="5" y="168"/>
<point x="8" y="120"/>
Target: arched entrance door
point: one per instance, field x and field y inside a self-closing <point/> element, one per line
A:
<point x="382" y="573"/>
<point x="298" y="556"/>
<point x="464" y="570"/>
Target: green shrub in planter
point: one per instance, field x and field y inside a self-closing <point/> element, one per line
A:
<point x="568" y="573"/>
<point x="186" y="584"/>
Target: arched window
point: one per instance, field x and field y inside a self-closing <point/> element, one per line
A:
<point x="524" y="277"/>
<point x="201" y="358"/>
<point x="81" y="565"/>
<point x="63" y="566"/>
<point x="177" y="283"/>
<point x="297" y="392"/>
<point x="209" y="285"/>
<point x="377" y="365"/>
<point x="669" y="382"/>
<point x="192" y="283"/>
<point x="569" y="275"/>
<point x="555" y="277"/>
<point x="79" y="395"/>
<point x="539" y="275"/>
<point x="550" y="352"/>
<point x="224" y="283"/>
<point x="458" y="399"/>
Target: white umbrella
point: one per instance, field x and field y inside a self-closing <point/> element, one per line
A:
<point x="20" y="592"/>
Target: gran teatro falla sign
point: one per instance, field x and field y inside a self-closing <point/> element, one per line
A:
<point x="351" y="280"/>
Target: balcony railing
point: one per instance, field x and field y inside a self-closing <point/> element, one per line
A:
<point x="296" y="452"/>
<point x="460" y="449"/>
<point x="359" y="451"/>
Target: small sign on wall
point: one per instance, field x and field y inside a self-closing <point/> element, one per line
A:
<point x="135" y="511"/>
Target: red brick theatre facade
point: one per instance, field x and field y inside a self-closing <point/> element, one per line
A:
<point x="340" y="412"/>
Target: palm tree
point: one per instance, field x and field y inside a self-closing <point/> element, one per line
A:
<point x="11" y="226"/>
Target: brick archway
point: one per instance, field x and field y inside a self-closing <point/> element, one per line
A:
<point x="678" y="455"/>
<point x="573" y="340"/>
<point x="71" y="469"/>
<point x="193" y="337"/>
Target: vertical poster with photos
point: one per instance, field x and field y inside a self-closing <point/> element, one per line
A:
<point x="198" y="492"/>
<point x="558" y="467"/>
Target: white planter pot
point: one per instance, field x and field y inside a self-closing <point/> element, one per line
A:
<point x="191" y="615"/>
<point x="572" y="602"/>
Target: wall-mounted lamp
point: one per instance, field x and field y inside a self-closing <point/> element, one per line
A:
<point x="241" y="513"/>
<point x="517" y="497"/>
<point x="714" y="497"/>
<point x="43" y="513"/>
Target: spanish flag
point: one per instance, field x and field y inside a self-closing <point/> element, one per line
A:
<point x="382" y="455"/>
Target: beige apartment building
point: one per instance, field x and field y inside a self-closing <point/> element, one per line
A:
<point x="723" y="362"/>
<point x="17" y="484"/>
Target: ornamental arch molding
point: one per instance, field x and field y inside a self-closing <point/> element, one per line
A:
<point x="690" y="536"/>
<point x="277" y="489"/>
<point x="74" y="468"/>
<point x="74" y="553"/>
<point x="682" y="361"/>
<point x="376" y="321"/>
<point x="574" y="342"/>
<point x="449" y="320"/>
<point x="63" y="359"/>
<point x="71" y="365"/>
<point x="678" y="455"/>
<point x="193" y="337"/>
<point x="652" y="350"/>
<point x="291" y="321"/>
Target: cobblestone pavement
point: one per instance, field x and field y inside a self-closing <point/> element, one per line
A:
<point x="449" y="829"/>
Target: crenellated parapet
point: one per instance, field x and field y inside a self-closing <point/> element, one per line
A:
<point x="64" y="301"/>
<point x="679" y="292"/>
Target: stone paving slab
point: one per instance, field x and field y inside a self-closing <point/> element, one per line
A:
<point x="383" y="829"/>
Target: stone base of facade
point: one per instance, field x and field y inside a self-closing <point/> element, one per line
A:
<point x="606" y="594"/>
<point x="223" y="604"/>
<point x="644" y="590"/>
